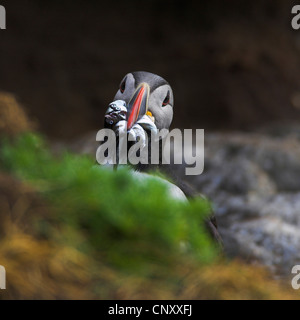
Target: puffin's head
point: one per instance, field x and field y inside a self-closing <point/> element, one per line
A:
<point x="147" y="93"/>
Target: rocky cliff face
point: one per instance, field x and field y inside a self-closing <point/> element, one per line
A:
<point x="253" y="181"/>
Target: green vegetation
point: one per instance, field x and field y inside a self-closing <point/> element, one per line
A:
<point x="73" y="230"/>
<point x="132" y="223"/>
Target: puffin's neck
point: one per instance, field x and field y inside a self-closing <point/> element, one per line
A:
<point x="150" y="167"/>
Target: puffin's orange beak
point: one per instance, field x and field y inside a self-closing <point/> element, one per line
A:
<point x="138" y="104"/>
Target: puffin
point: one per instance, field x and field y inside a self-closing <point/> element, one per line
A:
<point x="144" y="103"/>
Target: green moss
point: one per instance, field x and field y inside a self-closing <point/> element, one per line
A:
<point x="131" y="224"/>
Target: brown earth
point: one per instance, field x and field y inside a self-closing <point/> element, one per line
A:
<point x="13" y="119"/>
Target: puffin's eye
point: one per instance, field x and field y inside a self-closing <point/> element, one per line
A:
<point x="167" y="99"/>
<point x="123" y="85"/>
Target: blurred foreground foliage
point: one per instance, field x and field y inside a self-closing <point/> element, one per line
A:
<point x="98" y="210"/>
<point x="70" y="230"/>
<point x="73" y="230"/>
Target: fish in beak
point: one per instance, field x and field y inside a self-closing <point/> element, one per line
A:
<point x="138" y="104"/>
<point x="116" y="112"/>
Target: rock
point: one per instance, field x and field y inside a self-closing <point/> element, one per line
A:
<point x="253" y="181"/>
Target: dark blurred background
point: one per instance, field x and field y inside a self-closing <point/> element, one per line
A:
<point x="232" y="64"/>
